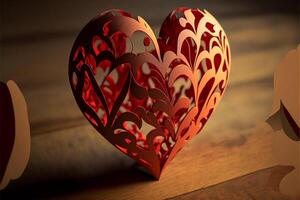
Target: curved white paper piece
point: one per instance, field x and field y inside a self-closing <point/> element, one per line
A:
<point x="286" y="89"/>
<point x="21" y="150"/>
<point x="286" y="144"/>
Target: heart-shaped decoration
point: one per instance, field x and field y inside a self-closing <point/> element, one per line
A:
<point x="150" y="101"/>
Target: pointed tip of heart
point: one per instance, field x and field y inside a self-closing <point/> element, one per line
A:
<point x="157" y="176"/>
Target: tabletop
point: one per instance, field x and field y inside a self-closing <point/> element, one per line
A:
<point x="230" y="159"/>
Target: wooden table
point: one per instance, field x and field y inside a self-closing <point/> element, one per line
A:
<point x="230" y="159"/>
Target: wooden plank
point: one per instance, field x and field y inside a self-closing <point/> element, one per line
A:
<point x="260" y="185"/>
<point x="47" y="115"/>
<point x="48" y="92"/>
<point x="82" y="165"/>
<point x="79" y="163"/>
<point x="47" y="60"/>
<point x="19" y="19"/>
<point x="40" y="69"/>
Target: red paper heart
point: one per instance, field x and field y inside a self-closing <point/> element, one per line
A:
<point x="150" y="103"/>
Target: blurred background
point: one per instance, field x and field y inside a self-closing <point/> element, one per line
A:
<point x="35" y="41"/>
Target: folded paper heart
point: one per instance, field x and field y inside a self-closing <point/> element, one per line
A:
<point x="149" y="96"/>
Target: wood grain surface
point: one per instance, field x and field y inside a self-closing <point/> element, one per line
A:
<point x="263" y="184"/>
<point x="91" y="172"/>
<point x="70" y="160"/>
